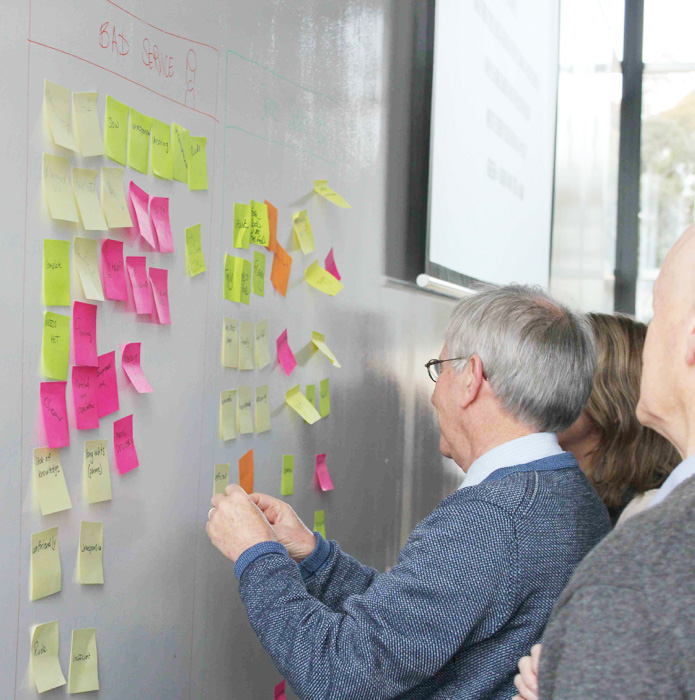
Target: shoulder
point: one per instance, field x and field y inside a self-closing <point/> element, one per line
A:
<point x="637" y="505"/>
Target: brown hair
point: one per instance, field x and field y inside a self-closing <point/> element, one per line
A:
<point x="629" y="458"/>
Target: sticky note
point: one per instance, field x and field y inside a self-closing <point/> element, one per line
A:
<point x="287" y="483"/>
<point x="45" y="575"/>
<point x="221" y="479"/>
<point x="232" y="277"/>
<point x="258" y="273"/>
<point x="141" y="202"/>
<point x="130" y="360"/>
<point x="228" y="415"/>
<point x="116" y="130"/>
<point x="83" y="676"/>
<point x="246" y="472"/>
<point x="244" y="419"/>
<point x="159" y="213"/>
<point x="84" y="334"/>
<point x="113" y="198"/>
<point x="241" y="234"/>
<point x="96" y="473"/>
<point x="318" y="340"/>
<point x="178" y="138"/>
<point x="84" y="396"/>
<point x="197" y="163"/>
<point x="195" y="263"/>
<point x="230" y="343"/>
<point x="285" y="354"/>
<point x="262" y="410"/>
<point x="139" y="283"/>
<point x="321" y="187"/>
<point x="55" y="351"/>
<point x="139" y="141"/>
<point x="124" y="445"/>
<point x="280" y="691"/>
<point x="272" y="226"/>
<point x="322" y="280"/>
<point x="160" y="292"/>
<point x="297" y="401"/>
<point x="56" y="104"/>
<point x="262" y="352"/>
<point x="45" y="664"/>
<point x="58" y="188"/>
<point x="280" y="273"/>
<point x="107" y="386"/>
<point x="324" y="398"/>
<point x="55" y="413"/>
<point x="302" y="232"/>
<point x="56" y="272"/>
<point x="260" y="226"/>
<point x="84" y="187"/>
<point x="323" y="478"/>
<point x="84" y="110"/>
<point x="310" y="394"/>
<point x="49" y="481"/>
<point x="90" y="567"/>
<point x="161" y="152"/>
<point x="246" y="272"/>
<point x="246" y="333"/>
<point x="331" y="266"/>
<point x="320" y="522"/>
<point x="86" y="255"/>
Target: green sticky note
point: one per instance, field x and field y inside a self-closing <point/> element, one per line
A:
<point x="197" y="163"/>
<point x="90" y="567"/>
<point x="232" y="277"/>
<point x="260" y="226"/>
<point x="320" y="522"/>
<point x="258" y="273"/>
<point x="287" y="485"/>
<point x="116" y="130"/>
<point x="56" y="272"/>
<point x="55" y="351"/>
<point x="45" y="662"/>
<point x="245" y="281"/>
<point x="311" y="394"/>
<point x="178" y="147"/>
<point x="324" y="398"/>
<point x="242" y="225"/>
<point x="139" y="140"/>
<point x="44" y="571"/>
<point x="161" y="152"/>
<point x="221" y="478"/>
<point x="195" y="262"/>
<point x="83" y="675"/>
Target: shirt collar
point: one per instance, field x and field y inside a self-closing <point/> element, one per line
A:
<point x="683" y="471"/>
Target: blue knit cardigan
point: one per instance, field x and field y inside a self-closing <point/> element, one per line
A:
<point x="469" y="596"/>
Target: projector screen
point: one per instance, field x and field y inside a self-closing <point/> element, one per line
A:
<point x="494" y="104"/>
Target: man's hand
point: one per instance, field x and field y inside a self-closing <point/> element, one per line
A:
<point x="526" y="681"/>
<point x="290" y="531"/>
<point x="235" y="523"/>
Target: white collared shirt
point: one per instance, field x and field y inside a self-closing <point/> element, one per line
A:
<point x="683" y="471"/>
<point x="522" y="450"/>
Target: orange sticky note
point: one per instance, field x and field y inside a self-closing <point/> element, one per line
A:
<point x="246" y="472"/>
<point x="282" y="264"/>
<point x="272" y="225"/>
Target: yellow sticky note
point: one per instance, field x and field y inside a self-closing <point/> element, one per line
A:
<point x="310" y="394"/>
<point x="58" y="189"/>
<point x="258" y="273"/>
<point x="244" y="419"/>
<point x="44" y="571"/>
<point x="56" y="272"/>
<point x="302" y="232"/>
<point x="241" y="235"/>
<point x="45" y="663"/>
<point x="262" y="350"/>
<point x="116" y="130"/>
<point x="84" y="110"/>
<point x="246" y="273"/>
<point x="230" y="343"/>
<point x="178" y="139"/>
<point x="56" y="103"/>
<point x="262" y="410"/>
<point x="246" y="332"/>
<point x="319" y="342"/>
<point x="113" y="198"/>
<point x="83" y="675"/>
<point x="320" y="522"/>
<point x="260" y="225"/>
<point x="287" y="483"/>
<point x="324" y="398"/>
<point x="221" y="480"/>
<point x="85" y="251"/>
<point x="55" y="349"/>
<point x="232" y="277"/>
<point x="84" y="186"/>
<point x="161" y="152"/>
<point x="97" y="476"/>
<point x="197" y="162"/>
<point x="49" y="481"/>
<point x="90" y="567"/>
<point x="195" y="262"/>
<point x="139" y="140"/>
<point x="321" y="187"/>
<point x="322" y="280"/>
<point x="228" y="415"/>
<point x="297" y="401"/>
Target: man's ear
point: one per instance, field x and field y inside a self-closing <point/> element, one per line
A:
<point x="470" y="381"/>
<point x="690" y="342"/>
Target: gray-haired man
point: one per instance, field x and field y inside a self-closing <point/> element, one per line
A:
<point x="477" y="579"/>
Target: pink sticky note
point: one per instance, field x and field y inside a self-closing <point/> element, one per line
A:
<point x="84" y="334"/>
<point x="160" y="292"/>
<point x="55" y="413"/>
<point x="124" y="445"/>
<point x="280" y="691"/>
<point x="159" y="213"/>
<point x="285" y="354"/>
<point x="140" y="201"/>
<point x="107" y="386"/>
<point x="84" y="397"/>
<point x="322" y="475"/>
<point x="330" y="265"/>
<point x="142" y="295"/>
<point x="112" y="270"/>
<point x="131" y="366"/>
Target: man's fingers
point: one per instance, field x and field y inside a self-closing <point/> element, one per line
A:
<point x="528" y="675"/>
<point x="269" y="506"/>
<point x="524" y="691"/>
<point x="216" y="499"/>
<point x="536" y="656"/>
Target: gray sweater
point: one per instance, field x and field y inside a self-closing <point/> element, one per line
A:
<point x="625" y="625"/>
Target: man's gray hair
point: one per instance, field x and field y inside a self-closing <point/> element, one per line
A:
<point x="538" y="355"/>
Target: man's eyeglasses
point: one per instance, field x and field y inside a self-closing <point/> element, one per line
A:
<point x="435" y="369"/>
